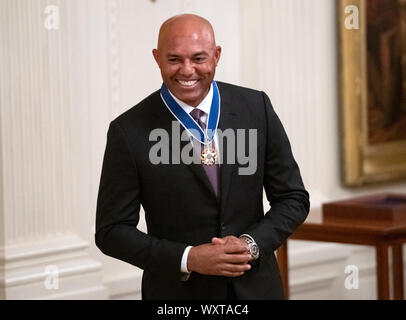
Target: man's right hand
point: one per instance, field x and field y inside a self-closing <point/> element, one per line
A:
<point x="221" y="258"/>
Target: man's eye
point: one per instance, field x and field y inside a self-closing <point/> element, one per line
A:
<point x="199" y="59"/>
<point x="173" y="59"/>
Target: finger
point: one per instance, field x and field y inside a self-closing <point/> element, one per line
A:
<point x="225" y="240"/>
<point x="231" y="240"/>
<point x="216" y="240"/>
<point x="237" y="258"/>
<point x="230" y="267"/>
<point x="235" y="248"/>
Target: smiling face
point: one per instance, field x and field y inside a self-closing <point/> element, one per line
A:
<point x="187" y="56"/>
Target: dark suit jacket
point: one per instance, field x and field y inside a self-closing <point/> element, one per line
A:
<point x="181" y="208"/>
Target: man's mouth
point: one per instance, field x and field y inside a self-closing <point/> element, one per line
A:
<point x="188" y="83"/>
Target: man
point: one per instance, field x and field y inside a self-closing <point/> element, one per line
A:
<point x="208" y="237"/>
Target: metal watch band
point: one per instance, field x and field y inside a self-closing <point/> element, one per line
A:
<point x="252" y="245"/>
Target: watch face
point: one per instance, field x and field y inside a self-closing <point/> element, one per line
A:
<point x="252" y="247"/>
<point x="254" y="251"/>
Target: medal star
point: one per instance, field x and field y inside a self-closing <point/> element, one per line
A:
<point x="209" y="157"/>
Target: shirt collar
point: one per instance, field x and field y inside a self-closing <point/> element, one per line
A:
<point x="205" y="105"/>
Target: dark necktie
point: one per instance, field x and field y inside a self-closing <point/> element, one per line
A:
<point x="213" y="171"/>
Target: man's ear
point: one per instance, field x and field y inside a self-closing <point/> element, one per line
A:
<point x="217" y="54"/>
<point x="155" y="53"/>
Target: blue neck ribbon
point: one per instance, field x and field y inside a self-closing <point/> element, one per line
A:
<point x="186" y="119"/>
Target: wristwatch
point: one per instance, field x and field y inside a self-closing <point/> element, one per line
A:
<point x="252" y="245"/>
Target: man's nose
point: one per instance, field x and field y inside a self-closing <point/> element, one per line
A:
<point x="187" y="69"/>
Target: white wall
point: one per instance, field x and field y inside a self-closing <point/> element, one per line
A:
<point x="61" y="88"/>
<point x="42" y="227"/>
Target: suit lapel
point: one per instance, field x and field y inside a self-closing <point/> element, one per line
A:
<point x="228" y="120"/>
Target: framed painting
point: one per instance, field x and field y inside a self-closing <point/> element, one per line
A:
<point x="372" y="90"/>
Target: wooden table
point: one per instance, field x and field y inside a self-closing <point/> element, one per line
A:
<point x="380" y="234"/>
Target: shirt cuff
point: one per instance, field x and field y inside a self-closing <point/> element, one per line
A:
<point x="183" y="264"/>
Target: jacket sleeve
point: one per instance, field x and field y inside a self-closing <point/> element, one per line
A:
<point x="117" y="216"/>
<point x="283" y="186"/>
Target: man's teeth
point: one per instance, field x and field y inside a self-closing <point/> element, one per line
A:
<point x="187" y="83"/>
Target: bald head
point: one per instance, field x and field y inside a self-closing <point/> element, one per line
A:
<point x="187" y="56"/>
<point x="189" y="25"/>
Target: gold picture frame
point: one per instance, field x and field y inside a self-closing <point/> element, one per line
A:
<point x="364" y="162"/>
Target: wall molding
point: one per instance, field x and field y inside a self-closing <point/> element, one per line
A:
<point x="25" y="268"/>
<point x="125" y="286"/>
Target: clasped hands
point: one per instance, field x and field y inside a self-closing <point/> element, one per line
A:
<point x="228" y="256"/>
